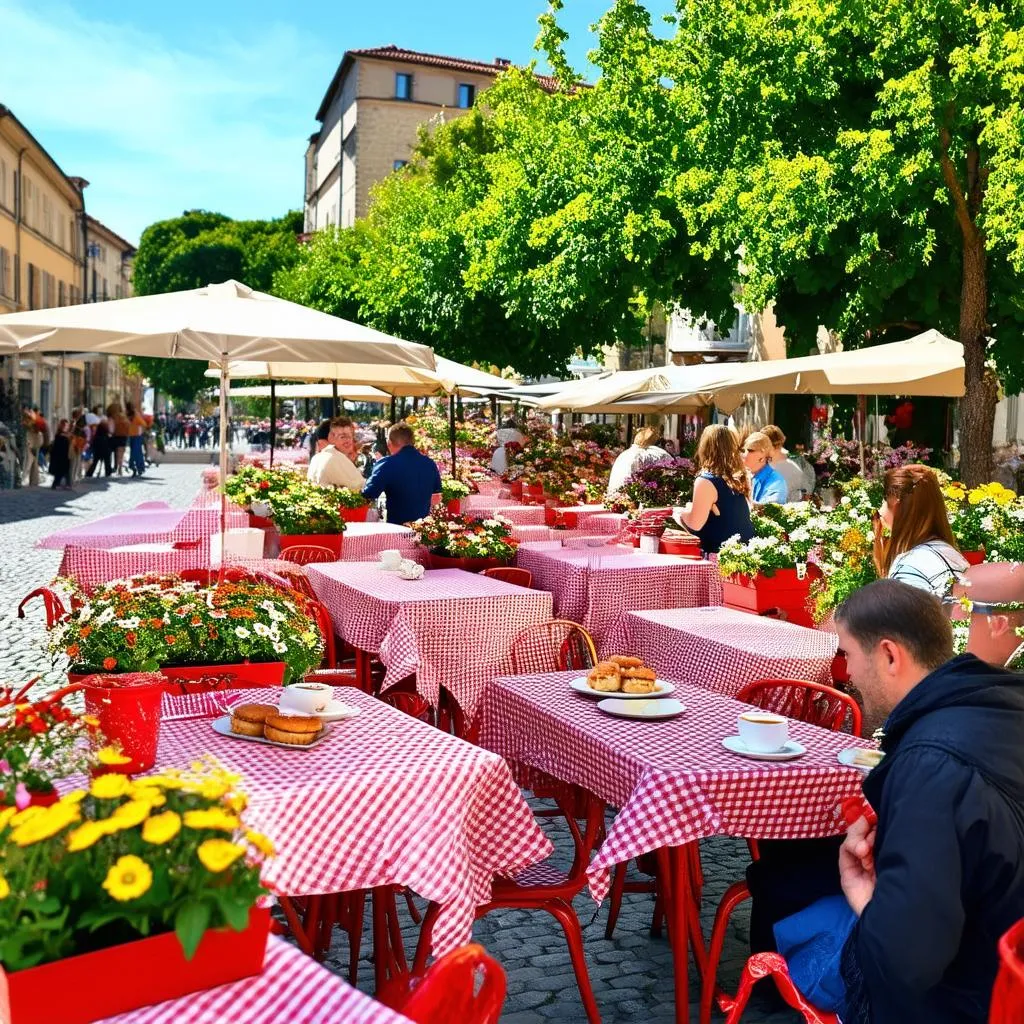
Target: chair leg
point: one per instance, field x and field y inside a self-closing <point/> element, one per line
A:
<point x="423" y="946"/>
<point x="615" y="899"/>
<point x="413" y="910"/>
<point x="764" y="965"/>
<point x="566" y="917"/>
<point x="295" y="925"/>
<point x="356" y="912"/>
<point x="734" y="896"/>
<point x="739" y="1003"/>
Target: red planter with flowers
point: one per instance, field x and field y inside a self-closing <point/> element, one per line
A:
<point x="454" y="506"/>
<point x="35" y="799"/>
<point x="260" y="522"/>
<point x="560" y="519"/>
<point x="354" y="515"/>
<point x="688" y="547"/>
<point x="974" y="557"/>
<point x="515" y="488"/>
<point x="784" y="591"/>
<point x="331" y="541"/>
<point x="201" y="678"/>
<point x="110" y="981"/>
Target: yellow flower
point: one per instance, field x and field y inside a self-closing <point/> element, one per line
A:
<point x="85" y="835"/>
<point x="261" y="842"/>
<point x="75" y="796"/>
<point x="6" y="814"/>
<point x="30" y="812"/>
<point x="111" y="755"/>
<point x="237" y="802"/>
<point x="163" y="781"/>
<point x="128" y="879"/>
<point x="213" y="817"/>
<point x="161" y="828"/>
<point x="45" y="825"/>
<point x="130" y="814"/>
<point x="91" y="720"/>
<point x="110" y="786"/>
<point x="5" y="889"/>
<point x="218" y="854"/>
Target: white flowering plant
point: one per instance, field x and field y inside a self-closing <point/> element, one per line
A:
<point x="147" y="622"/>
<point x="453" y="535"/>
<point x="764" y="556"/>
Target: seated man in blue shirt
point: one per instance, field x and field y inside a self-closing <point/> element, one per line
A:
<point x="408" y="479"/>
<point x="767" y="484"/>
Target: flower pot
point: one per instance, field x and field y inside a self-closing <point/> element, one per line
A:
<point x="355" y="515"/>
<point x="97" y="985"/>
<point x="454" y="506"/>
<point x="324" y="540"/>
<point x="688" y="547"/>
<point x="974" y="557"/>
<point x="35" y="799"/>
<point x="129" y="716"/>
<point x="203" y="678"/>
<point x="515" y="488"/>
<point x="561" y="520"/>
<point x="260" y="522"/>
<point x="467" y="564"/>
<point x="783" y="592"/>
<point x="534" y="490"/>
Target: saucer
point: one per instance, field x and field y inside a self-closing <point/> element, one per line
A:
<point x="789" y="752"/>
<point x="336" y="711"/>
<point x="652" y="708"/>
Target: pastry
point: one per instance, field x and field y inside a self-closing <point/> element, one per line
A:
<point x="248" y="719"/>
<point x="296" y="730"/>
<point x="638" y="684"/>
<point x="625" y="661"/>
<point x="604" y="676"/>
<point x="868" y="758"/>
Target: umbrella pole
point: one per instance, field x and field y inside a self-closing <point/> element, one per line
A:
<point x="392" y="408"/>
<point x="223" y="461"/>
<point x="273" y="419"/>
<point x="451" y="427"/>
<point x="334" y="396"/>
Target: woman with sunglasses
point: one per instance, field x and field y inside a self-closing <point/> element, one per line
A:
<point x="768" y="486"/>
<point x="920" y="549"/>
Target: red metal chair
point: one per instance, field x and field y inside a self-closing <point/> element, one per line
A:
<point x="55" y="610"/>
<point x="465" y="986"/>
<point x="307" y="554"/>
<point x="556" y="645"/>
<point x="1008" y="994"/>
<point x="410" y="703"/>
<point x="543" y="887"/>
<point x="771" y="965"/>
<point x="807" y="702"/>
<point x="510" y="574"/>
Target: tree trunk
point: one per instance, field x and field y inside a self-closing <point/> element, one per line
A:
<point x="978" y="406"/>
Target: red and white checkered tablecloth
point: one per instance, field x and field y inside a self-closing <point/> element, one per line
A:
<point x="293" y="987"/>
<point x="672" y="780"/>
<point x="449" y="627"/>
<point x="594" y="586"/>
<point x="721" y="649"/>
<point x="595" y="518"/>
<point x="93" y="566"/>
<point x="384" y="800"/>
<point x="515" y="513"/>
<point x="487" y="500"/>
<point x="530" y="534"/>
<point x="289" y="456"/>
<point x="139" y="526"/>
<point x="365" y="541"/>
<point x="200" y="523"/>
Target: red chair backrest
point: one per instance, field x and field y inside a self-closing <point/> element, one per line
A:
<point x="1008" y="994"/>
<point x="557" y="645"/>
<point x="510" y="574"/>
<point x="55" y="610"/>
<point x="805" y="701"/>
<point x="411" y="703"/>
<point x="306" y="554"/>
<point x="450" y="994"/>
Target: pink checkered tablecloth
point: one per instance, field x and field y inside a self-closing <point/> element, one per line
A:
<point x="384" y="800"/>
<point x="449" y="627"/>
<point x="518" y="515"/>
<point x="365" y="541"/>
<point x="485" y="501"/>
<point x="722" y="649"/>
<point x="594" y="586"/>
<point x="282" y="456"/>
<point x="139" y="526"/>
<point x="200" y="523"/>
<point x="595" y="518"/>
<point x="672" y="780"/>
<point x="531" y="534"/>
<point x="293" y="987"/>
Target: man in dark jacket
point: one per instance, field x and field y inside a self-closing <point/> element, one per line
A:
<point x="941" y="876"/>
<point x="409" y="480"/>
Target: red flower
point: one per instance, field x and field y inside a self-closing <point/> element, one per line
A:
<point x="170" y="638"/>
<point x="37" y="725"/>
<point x="86" y="630"/>
<point x="129" y="639"/>
<point x="156" y="623"/>
<point x="74" y="651"/>
<point x="109" y="663"/>
<point x="264" y="485"/>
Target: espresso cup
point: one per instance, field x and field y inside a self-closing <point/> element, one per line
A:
<point x="307" y="698"/>
<point x="391" y="558"/>
<point x="763" y="731"/>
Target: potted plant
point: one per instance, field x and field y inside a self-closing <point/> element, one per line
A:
<point x="455" y="542"/>
<point x="980" y="518"/>
<point x="310" y="516"/>
<point x="453" y="493"/>
<point x="129" y="893"/>
<point x="253" y="488"/>
<point x="352" y="505"/>
<point x="205" y="636"/>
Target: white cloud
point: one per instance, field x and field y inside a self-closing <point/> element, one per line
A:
<point x="157" y="129"/>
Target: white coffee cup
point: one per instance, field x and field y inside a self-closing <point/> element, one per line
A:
<point x="306" y="698"/>
<point x="763" y="731"/>
<point x="391" y="558"/>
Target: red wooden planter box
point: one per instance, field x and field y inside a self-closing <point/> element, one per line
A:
<point x="562" y="520"/>
<point x="97" y="985"/>
<point x="454" y="506"/>
<point x="468" y="564"/>
<point x="783" y="590"/>
<point x="260" y="522"/>
<point x="202" y="678"/>
<point x="323" y="540"/>
<point x="974" y="557"/>
<point x="355" y="515"/>
<point x="688" y="548"/>
<point x="515" y="488"/>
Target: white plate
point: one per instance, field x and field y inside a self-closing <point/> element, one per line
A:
<point x="336" y="711"/>
<point x="661" y="689"/>
<point x="652" y="708"/>
<point x="791" y="750"/>
<point x="846" y="757"/>
<point x="223" y="727"/>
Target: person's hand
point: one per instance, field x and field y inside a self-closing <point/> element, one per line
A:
<point x="857" y="865"/>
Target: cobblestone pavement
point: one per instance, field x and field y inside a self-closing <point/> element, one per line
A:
<point x="631" y="973"/>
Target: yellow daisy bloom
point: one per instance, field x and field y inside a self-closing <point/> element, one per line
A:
<point x="20" y="817"/>
<point x="91" y="720"/>
<point x="237" y="802"/>
<point x="5" y="889"/>
<point x="261" y="842"/>
<point x="111" y="755"/>
<point x="130" y="814"/>
<point x="44" y="826"/>
<point x="75" y="796"/>
<point x="218" y="854"/>
<point x="85" y="835"/>
<point x="110" y="786"/>
<point x="213" y="817"/>
<point x="128" y="879"/>
<point x="6" y="814"/>
<point x="161" y="828"/>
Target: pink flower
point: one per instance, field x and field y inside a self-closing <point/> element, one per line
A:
<point x="4" y="766"/>
<point x="22" y="797"/>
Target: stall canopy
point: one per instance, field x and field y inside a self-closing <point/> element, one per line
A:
<point x="348" y="392"/>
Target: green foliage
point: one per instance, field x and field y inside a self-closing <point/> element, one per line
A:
<point x="180" y="379"/>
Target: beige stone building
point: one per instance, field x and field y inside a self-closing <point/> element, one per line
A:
<point x="369" y="120"/>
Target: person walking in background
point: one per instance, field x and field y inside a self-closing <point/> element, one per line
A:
<point x="44" y="429"/>
<point x="101" y="447"/>
<point x="79" y="440"/>
<point x="120" y="435"/>
<point x="33" y="441"/>
<point x="767" y="486"/>
<point x="136" y="428"/>
<point x="60" y="457"/>
<point x="409" y="480"/>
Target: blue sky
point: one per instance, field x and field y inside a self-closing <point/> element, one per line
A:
<point x="166" y="106"/>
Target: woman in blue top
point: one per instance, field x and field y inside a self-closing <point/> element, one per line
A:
<point x="768" y="484"/>
<point x="719" y="509"/>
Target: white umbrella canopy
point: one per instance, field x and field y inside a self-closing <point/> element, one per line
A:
<point x="349" y="392"/>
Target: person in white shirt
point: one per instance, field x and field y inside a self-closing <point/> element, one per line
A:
<point x="334" y="465"/>
<point x="799" y="476"/>
<point x="640" y="453"/>
<point x="508" y="434"/>
<point x="920" y="550"/>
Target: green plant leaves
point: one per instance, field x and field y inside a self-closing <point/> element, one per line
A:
<point x="190" y="922"/>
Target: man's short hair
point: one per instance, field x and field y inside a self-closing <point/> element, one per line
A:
<point x="909" y="616"/>
<point x="340" y="423"/>
<point x="323" y="430"/>
<point x="400" y="434"/>
<point x="774" y="434"/>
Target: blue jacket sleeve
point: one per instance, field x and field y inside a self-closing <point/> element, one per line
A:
<point x="911" y="929"/>
<point x="375" y="485"/>
<point x="777" y="490"/>
<point x="437" y="480"/>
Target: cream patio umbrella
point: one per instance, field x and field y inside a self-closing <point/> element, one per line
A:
<point x="348" y="392"/>
<point x="219" y="322"/>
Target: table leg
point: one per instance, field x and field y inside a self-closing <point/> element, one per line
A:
<point x="674" y="871"/>
<point x="364" y="675"/>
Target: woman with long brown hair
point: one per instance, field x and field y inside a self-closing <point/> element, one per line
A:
<point x="720" y="508"/>
<point x="920" y="549"/>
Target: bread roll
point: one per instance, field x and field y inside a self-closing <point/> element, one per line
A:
<point x="248" y="719"/>
<point x="641" y="672"/>
<point x="295" y="730"/>
<point x="631" y="684"/>
<point x="626" y="661"/>
<point x="604" y="676"/>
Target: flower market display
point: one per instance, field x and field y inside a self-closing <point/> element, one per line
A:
<point x="558" y="464"/>
<point x="154" y="622"/>
<point x="454" y="490"/>
<point x="450" y="535"/>
<point x="475" y="442"/>
<point x="662" y="484"/>
<point x="988" y="519"/>
<point x="253" y="484"/>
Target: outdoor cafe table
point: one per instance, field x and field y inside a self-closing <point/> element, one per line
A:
<point x="147" y="526"/>
<point x="672" y="781"/>
<point x="722" y="649"/>
<point x="593" y="586"/>
<point x="518" y="515"/>
<point x="384" y="800"/>
<point x="449" y="627"/>
<point x="292" y="987"/>
<point x="365" y="541"/>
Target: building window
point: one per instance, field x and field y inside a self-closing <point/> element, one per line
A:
<point x="467" y="95"/>
<point x="5" y="274"/>
<point x="403" y="86"/>
<point x="397" y="165"/>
